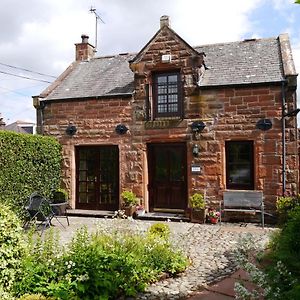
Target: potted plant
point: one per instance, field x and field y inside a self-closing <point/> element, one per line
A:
<point x="59" y="202"/>
<point x="198" y="210"/>
<point x="213" y="216"/>
<point x="130" y="201"/>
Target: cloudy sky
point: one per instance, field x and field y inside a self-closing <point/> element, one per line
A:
<point x="39" y="35"/>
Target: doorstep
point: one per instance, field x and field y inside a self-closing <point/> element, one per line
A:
<point x="152" y="216"/>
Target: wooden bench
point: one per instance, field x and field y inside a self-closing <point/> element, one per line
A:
<point x="243" y="201"/>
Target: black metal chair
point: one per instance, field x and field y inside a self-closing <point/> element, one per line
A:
<point x="39" y="210"/>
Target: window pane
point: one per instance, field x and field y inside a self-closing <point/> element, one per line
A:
<point x="162" y="108"/>
<point x="162" y="89"/>
<point x="161" y="79"/>
<point x="239" y="165"/>
<point x="173" y="107"/>
<point x="172" y="78"/>
<point x="173" y="98"/>
<point x="162" y="99"/>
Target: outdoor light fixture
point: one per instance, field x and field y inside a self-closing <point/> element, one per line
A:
<point x="71" y="130"/>
<point x="264" y="124"/>
<point x="292" y="113"/>
<point x="197" y="126"/>
<point x="121" y="129"/>
<point x="196" y="150"/>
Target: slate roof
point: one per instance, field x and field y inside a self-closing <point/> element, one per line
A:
<point x="244" y="62"/>
<point x="236" y="63"/>
<point x="102" y="76"/>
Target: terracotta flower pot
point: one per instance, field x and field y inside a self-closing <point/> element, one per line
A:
<point x="213" y="220"/>
<point x="130" y="210"/>
<point x="198" y="215"/>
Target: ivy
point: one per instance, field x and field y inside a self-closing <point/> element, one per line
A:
<point x="28" y="163"/>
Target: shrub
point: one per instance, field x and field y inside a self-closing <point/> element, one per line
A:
<point x="28" y="163"/>
<point x="197" y="201"/>
<point x="129" y="198"/>
<point x="160" y="229"/>
<point x="281" y="277"/>
<point x="59" y="196"/>
<point x="97" y="266"/>
<point x="284" y="205"/>
<point x="11" y="247"/>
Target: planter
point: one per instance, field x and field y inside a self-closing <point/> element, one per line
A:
<point x="213" y="220"/>
<point x="59" y="209"/>
<point x="130" y="211"/>
<point x="198" y="215"/>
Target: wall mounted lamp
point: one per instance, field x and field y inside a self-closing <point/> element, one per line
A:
<point x="264" y="124"/>
<point x="292" y="113"/>
<point x="121" y="129"/>
<point x="195" y="150"/>
<point x="197" y="126"/>
<point x="71" y="130"/>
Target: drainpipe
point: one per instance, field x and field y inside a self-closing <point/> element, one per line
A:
<point x="283" y="137"/>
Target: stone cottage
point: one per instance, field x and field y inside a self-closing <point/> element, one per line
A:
<point x="173" y="120"/>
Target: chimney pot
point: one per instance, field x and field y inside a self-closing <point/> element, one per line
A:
<point x="85" y="39"/>
<point x="164" y="21"/>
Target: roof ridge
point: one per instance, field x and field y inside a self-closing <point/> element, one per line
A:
<point x="236" y="42"/>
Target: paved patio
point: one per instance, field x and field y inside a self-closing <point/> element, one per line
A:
<point x="210" y="248"/>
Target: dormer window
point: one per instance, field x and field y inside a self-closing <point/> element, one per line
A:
<point x="167" y="98"/>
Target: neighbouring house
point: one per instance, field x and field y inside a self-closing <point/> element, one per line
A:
<point x="21" y="127"/>
<point x="173" y="119"/>
<point x="2" y="123"/>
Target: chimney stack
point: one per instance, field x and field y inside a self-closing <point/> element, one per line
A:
<point x="164" y="21"/>
<point x="84" y="50"/>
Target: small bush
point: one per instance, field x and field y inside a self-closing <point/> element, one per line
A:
<point x="97" y="266"/>
<point x="11" y="247"/>
<point x="129" y="198"/>
<point x="197" y="201"/>
<point x="160" y="229"/>
<point x="59" y="196"/>
<point x="284" y="205"/>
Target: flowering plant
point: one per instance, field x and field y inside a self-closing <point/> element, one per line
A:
<point x="212" y="213"/>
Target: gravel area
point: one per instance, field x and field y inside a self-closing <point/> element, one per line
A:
<point x="210" y="248"/>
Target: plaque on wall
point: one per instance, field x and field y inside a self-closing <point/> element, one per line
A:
<point x="196" y="169"/>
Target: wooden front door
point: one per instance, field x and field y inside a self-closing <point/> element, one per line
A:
<point x="167" y="176"/>
<point x="97" y="177"/>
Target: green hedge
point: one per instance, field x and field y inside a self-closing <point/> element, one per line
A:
<point x="28" y="163"/>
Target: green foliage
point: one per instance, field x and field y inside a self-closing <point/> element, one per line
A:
<point x="286" y="247"/>
<point x="11" y="248"/>
<point x="160" y="229"/>
<point x="297" y="1"/>
<point x="281" y="277"/>
<point x="59" y="196"/>
<point x="97" y="266"/>
<point x="286" y="204"/>
<point x="197" y="201"/>
<point x="129" y="198"/>
<point x="28" y="163"/>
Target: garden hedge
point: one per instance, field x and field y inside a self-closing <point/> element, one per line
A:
<point x="28" y="163"/>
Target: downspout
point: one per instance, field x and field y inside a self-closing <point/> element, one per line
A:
<point x="283" y="108"/>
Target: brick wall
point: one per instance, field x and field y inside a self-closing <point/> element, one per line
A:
<point x="96" y="120"/>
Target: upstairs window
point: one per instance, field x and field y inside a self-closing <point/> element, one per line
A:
<point x="239" y="165"/>
<point x="167" y="95"/>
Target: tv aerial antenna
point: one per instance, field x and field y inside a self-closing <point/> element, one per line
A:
<point x="93" y="10"/>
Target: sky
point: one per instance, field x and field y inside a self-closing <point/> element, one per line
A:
<point x="39" y="35"/>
